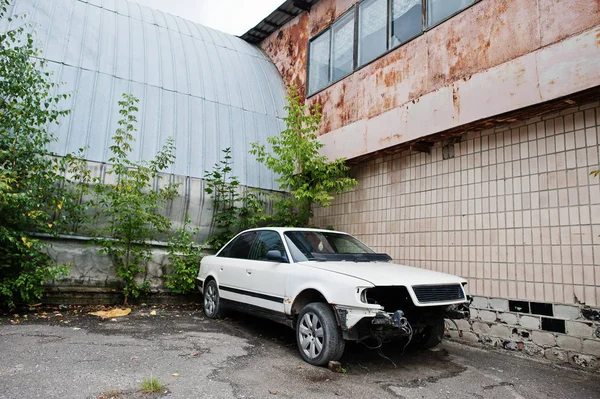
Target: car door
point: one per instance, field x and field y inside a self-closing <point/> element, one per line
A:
<point x="266" y="277"/>
<point x="231" y="269"/>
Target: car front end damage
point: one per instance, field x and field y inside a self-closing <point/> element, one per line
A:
<point x="400" y="311"/>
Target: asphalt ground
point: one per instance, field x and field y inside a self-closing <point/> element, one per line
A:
<point x="63" y="352"/>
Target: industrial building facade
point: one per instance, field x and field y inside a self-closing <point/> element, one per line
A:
<point x="472" y="128"/>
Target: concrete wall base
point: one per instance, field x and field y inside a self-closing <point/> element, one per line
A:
<point x="564" y="334"/>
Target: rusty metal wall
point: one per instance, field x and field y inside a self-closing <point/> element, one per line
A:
<point x="484" y="36"/>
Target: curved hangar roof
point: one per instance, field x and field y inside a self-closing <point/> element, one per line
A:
<point x="206" y="89"/>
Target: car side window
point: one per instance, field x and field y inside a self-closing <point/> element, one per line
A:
<point x="267" y="240"/>
<point x="240" y="247"/>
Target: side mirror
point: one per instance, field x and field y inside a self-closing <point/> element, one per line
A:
<point x="276" y="256"/>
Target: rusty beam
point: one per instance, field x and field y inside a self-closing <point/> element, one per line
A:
<point x="422" y="146"/>
<point x="301" y="4"/>
<point x="264" y="32"/>
<point x="271" y="24"/>
<point x="522" y="114"/>
<point x="290" y="14"/>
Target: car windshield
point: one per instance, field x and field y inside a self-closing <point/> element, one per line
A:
<point x="325" y="246"/>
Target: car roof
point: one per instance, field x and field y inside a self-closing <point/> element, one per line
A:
<point x="285" y="229"/>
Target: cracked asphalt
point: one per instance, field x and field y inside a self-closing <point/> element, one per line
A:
<point x="67" y="355"/>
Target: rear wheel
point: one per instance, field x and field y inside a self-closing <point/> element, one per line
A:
<point x="431" y="336"/>
<point x="318" y="336"/>
<point x="212" y="300"/>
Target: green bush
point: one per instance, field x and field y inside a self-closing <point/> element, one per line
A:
<point x="30" y="178"/>
<point x="309" y="177"/>
<point x="184" y="258"/>
<point x="131" y="206"/>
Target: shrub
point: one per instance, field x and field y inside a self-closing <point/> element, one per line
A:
<point x="29" y="174"/>
<point x="184" y="257"/>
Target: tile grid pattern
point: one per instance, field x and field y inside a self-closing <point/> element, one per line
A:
<point x="515" y="211"/>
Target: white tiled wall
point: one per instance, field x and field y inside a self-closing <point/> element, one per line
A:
<point x="515" y="211"/>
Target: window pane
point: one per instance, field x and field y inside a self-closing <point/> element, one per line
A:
<point x="267" y="241"/>
<point x="372" y="28"/>
<point x="343" y="47"/>
<point x="240" y="247"/>
<point x="406" y="20"/>
<point x="438" y="10"/>
<point x="319" y="63"/>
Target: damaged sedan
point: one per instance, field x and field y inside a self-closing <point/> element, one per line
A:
<point x="330" y="288"/>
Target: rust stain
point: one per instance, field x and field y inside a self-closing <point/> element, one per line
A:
<point x="395" y="137"/>
<point x="456" y="100"/>
<point x="320" y="18"/>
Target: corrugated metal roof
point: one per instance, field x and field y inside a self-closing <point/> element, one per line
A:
<point x="206" y="89"/>
<point x="282" y="15"/>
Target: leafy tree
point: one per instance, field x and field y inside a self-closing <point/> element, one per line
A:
<point x="185" y="257"/>
<point x="29" y="173"/>
<point x="130" y="206"/>
<point x="223" y="187"/>
<point x="309" y="177"/>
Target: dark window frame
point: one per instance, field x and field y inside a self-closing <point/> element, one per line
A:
<point x="389" y="46"/>
<point x="254" y="243"/>
<point x="329" y="28"/>
<point x="224" y="252"/>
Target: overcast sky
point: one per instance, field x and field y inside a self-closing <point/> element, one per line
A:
<point x="231" y="16"/>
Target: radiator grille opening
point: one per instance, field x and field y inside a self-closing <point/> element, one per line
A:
<point x="438" y="293"/>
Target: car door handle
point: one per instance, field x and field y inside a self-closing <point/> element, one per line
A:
<point x="249" y="271"/>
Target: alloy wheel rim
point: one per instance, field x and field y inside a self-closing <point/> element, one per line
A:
<point x="210" y="300"/>
<point x="311" y="336"/>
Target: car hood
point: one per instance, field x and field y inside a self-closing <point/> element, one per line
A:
<point x="383" y="273"/>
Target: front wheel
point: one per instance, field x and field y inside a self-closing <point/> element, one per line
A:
<point x="431" y="336"/>
<point x="318" y="336"/>
<point x="212" y="301"/>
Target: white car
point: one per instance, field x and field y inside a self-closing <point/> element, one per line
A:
<point x="330" y="288"/>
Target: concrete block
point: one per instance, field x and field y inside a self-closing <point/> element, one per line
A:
<point x="579" y="329"/>
<point x="566" y="312"/>
<point x="533" y="350"/>
<point x="487" y="315"/>
<point x="556" y="355"/>
<point x="543" y="339"/>
<point x="481" y="328"/>
<point x="470" y="337"/>
<point x="510" y="345"/>
<point x="509" y="318"/>
<point x="474" y="313"/>
<point x="569" y="343"/>
<point x="453" y="334"/>
<point x="591" y="347"/>
<point x="499" y="304"/>
<point x="492" y="341"/>
<point x="480" y="302"/>
<point x="463" y="325"/>
<point x="499" y="330"/>
<point x="530" y="322"/>
<point x="583" y="361"/>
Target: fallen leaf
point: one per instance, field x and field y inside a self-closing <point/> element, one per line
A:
<point x="175" y="374"/>
<point x="300" y="367"/>
<point x="108" y="314"/>
<point x="195" y="354"/>
<point x="273" y="392"/>
<point x="153" y="313"/>
<point x="76" y="328"/>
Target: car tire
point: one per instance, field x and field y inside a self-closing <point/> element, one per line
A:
<point x="432" y="335"/>
<point x="212" y="300"/>
<point x="318" y="336"/>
